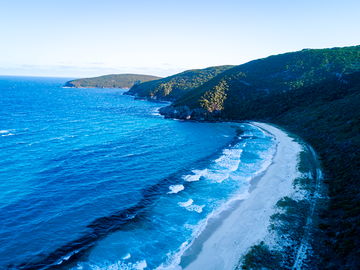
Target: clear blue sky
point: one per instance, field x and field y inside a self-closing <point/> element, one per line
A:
<point x="81" y="38"/>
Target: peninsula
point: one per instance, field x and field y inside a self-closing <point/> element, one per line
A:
<point x="111" y="81"/>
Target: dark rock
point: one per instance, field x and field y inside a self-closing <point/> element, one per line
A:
<point x="185" y="113"/>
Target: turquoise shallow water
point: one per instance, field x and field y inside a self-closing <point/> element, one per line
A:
<point x="93" y="179"/>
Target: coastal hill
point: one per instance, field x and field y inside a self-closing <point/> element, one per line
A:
<point x="173" y="87"/>
<point x="237" y="88"/>
<point x="315" y="94"/>
<point x="111" y="81"/>
<point x="326" y="115"/>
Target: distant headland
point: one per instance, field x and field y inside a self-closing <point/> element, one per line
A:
<point x="111" y="81"/>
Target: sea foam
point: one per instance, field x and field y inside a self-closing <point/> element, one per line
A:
<point x="221" y="168"/>
<point x="185" y="204"/>
<point x="140" y="265"/>
<point x="5" y="135"/>
<point x="191" y="207"/>
<point x="230" y="159"/>
<point x="127" y="256"/>
<point x="175" y="189"/>
<point x="196" y="176"/>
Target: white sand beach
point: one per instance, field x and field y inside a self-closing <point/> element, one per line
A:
<point x="230" y="235"/>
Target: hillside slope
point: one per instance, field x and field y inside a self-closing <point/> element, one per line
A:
<point x="327" y="116"/>
<point x="242" y="84"/>
<point x="314" y="94"/>
<point x="111" y="81"/>
<point x="173" y="87"/>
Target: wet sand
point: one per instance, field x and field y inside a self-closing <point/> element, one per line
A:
<point x="229" y="235"/>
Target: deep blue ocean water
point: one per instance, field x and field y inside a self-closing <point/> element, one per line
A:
<point x="93" y="179"/>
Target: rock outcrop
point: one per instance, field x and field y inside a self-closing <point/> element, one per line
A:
<point x="185" y="113"/>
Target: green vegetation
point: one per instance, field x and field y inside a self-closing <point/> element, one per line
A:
<point x="214" y="100"/>
<point x="314" y="94"/>
<point x="111" y="81"/>
<point x="173" y="87"/>
<point x="306" y="164"/>
<point x="275" y="74"/>
<point x="261" y="257"/>
<point x="292" y="220"/>
<point x="327" y="116"/>
<point x="292" y="225"/>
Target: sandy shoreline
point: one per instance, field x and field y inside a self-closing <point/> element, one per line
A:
<point x="230" y="235"/>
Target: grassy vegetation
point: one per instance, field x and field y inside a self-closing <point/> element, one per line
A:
<point x="261" y="257"/>
<point x="292" y="219"/>
<point x="333" y="129"/>
<point x="173" y="87"/>
<point x="291" y="224"/>
<point x="327" y="116"/>
<point x="291" y="71"/>
<point x="314" y="94"/>
<point x="306" y="163"/>
<point x="111" y="81"/>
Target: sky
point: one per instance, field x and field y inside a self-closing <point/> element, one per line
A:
<point x="78" y="38"/>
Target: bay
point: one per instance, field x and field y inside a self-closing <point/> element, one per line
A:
<point x="93" y="179"/>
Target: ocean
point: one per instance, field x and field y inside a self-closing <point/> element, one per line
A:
<point x="94" y="179"/>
